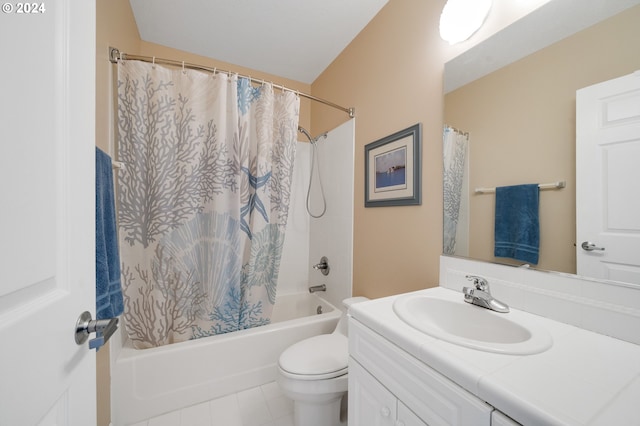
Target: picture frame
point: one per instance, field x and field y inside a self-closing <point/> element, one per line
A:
<point x="393" y="169"/>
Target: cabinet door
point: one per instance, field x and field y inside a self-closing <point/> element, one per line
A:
<point x="370" y="403"/>
<point x="407" y="417"/>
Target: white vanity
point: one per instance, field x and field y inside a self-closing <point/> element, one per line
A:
<point x="400" y="375"/>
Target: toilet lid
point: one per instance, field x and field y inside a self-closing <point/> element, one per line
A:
<point x="320" y="357"/>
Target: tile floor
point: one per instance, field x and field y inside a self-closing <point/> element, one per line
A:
<point x="261" y="406"/>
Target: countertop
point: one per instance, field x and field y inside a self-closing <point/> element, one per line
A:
<point x="585" y="378"/>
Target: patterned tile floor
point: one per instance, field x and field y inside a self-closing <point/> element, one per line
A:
<point x="261" y="406"/>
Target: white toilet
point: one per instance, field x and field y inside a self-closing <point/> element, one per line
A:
<point x="313" y="373"/>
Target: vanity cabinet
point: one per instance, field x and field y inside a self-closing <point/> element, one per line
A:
<point x="389" y="387"/>
<point x="372" y="404"/>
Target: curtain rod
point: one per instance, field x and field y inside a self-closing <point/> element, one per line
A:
<point x="555" y="185"/>
<point x="460" y="132"/>
<point x="115" y="55"/>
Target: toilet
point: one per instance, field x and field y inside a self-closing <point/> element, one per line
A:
<point x="313" y="373"/>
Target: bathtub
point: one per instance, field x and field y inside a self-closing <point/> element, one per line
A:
<point x="149" y="382"/>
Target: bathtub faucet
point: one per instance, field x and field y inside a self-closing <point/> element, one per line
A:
<point x="314" y="288"/>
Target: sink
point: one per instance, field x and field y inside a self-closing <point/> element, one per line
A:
<point x="464" y="324"/>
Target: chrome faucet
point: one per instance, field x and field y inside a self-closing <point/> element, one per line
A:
<point x="323" y="266"/>
<point x="314" y="288"/>
<point x="479" y="295"/>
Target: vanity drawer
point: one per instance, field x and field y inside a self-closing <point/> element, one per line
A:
<point x="433" y="397"/>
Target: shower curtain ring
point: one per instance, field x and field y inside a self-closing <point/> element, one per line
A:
<point x="153" y="63"/>
<point x="183" y="70"/>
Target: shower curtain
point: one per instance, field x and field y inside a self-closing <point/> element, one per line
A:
<point x="455" y="144"/>
<point x="203" y="200"/>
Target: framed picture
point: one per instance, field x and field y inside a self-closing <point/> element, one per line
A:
<point x="392" y="169"/>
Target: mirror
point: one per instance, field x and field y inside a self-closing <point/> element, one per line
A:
<point x="515" y="96"/>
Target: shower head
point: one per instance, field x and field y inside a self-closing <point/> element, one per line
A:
<point x="312" y="140"/>
<point x="304" y="132"/>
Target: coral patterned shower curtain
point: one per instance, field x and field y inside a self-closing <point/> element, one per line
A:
<point x="203" y="200"/>
<point x="455" y="146"/>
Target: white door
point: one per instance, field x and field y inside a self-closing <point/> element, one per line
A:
<point x="47" y="265"/>
<point x="608" y="179"/>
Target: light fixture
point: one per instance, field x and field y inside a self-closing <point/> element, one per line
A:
<point x="461" y="18"/>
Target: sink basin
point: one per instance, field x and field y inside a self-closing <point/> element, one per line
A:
<point x="472" y="326"/>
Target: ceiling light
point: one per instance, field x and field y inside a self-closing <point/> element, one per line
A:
<point x="461" y="18"/>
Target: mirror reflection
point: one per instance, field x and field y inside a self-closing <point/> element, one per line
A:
<point x="517" y="126"/>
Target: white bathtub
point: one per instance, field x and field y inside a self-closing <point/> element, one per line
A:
<point x="147" y="383"/>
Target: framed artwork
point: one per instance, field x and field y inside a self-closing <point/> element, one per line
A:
<point x="392" y="169"/>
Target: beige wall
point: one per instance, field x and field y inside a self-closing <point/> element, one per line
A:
<point x="532" y="102"/>
<point x="392" y="74"/>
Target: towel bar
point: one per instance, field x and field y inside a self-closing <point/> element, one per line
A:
<point x="554" y="185"/>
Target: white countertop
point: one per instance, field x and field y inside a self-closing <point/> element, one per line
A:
<point x="585" y="378"/>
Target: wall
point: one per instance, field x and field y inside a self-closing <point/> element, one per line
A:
<point x="115" y="26"/>
<point x="532" y="102"/>
<point x="392" y="74"/>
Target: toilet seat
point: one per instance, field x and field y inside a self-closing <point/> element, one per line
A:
<point x="316" y="358"/>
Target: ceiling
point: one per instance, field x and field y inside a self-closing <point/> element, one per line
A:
<point x="295" y="39"/>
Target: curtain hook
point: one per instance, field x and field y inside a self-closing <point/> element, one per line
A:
<point x="153" y="63"/>
<point x="183" y="71"/>
<point x="215" y="69"/>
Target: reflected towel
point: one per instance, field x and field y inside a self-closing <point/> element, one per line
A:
<point x="108" y="290"/>
<point x="517" y="224"/>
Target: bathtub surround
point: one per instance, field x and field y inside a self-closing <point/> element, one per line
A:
<point x="204" y="198"/>
<point x="332" y="234"/>
<point x="204" y="369"/>
<point x="308" y="239"/>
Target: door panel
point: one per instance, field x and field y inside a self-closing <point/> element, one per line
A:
<point x="608" y="179"/>
<point x="47" y="248"/>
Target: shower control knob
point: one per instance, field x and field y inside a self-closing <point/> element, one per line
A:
<point x="323" y="266"/>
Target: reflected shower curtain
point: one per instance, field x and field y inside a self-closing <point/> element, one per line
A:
<point x="455" y="146"/>
<point x="203" y="200"/>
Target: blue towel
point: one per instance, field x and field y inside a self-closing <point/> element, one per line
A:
<point x="108" y="289"/>
<point x="517" y="223"/>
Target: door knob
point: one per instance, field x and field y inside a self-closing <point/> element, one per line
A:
<point x="589" y="246"/>
<point x="85" y="326"/>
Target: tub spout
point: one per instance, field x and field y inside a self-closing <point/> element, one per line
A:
<point x="314" y="288"/>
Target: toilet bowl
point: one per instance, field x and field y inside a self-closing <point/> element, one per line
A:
<point x="313" y="373"/>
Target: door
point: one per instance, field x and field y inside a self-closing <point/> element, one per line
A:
<point x="608" y="179"/>
<point x="47" y="115"/>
